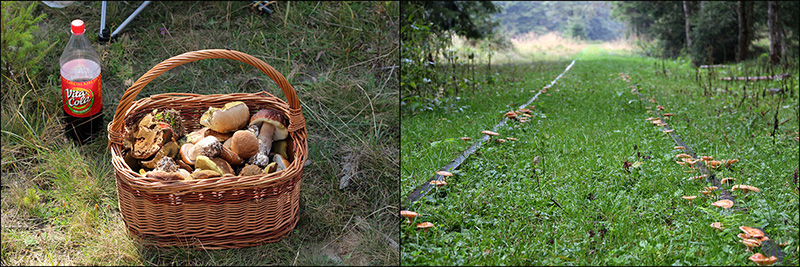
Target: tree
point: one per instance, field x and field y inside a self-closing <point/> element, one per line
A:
<point x="687" y="15"/>
<point x="775" y="32"/>
<point x="744" y="9"/>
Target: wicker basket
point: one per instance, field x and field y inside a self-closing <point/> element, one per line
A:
<point x="214" y="213"/>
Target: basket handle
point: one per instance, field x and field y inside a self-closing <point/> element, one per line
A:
<point x="296" y="119"/>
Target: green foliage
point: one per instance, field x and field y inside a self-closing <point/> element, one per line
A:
<point x="713" y="38"/>
<point x="540" y="17"/>
<point x="19" y="51"/>
<point x="471" y="19"/>
<point x="577" y="29"/>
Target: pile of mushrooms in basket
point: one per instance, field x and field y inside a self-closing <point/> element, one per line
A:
<point x="231" y="143"/>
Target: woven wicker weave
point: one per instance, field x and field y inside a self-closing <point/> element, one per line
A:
<point x="214" y="213"/>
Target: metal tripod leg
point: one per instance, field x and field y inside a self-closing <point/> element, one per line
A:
<point x="103" y="35"/>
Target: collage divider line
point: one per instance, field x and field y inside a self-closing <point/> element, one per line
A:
<point x="424" y="188"/>
<point x="768" y="245"/>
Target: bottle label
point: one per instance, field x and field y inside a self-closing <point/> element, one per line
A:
<point x="81" y="99"/>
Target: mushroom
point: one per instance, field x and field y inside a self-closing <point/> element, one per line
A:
<point x="273" y="127"/>
<point x="424" y="226"/>
<point x="668" y="114"/>
<point x="490" y="133"/>
<point x="689" y="198"/>
<point x="231" y="117"/>
<point x="196" y="135"/>
<point x="149" y="137"/>
<point x="761" y="260"/>
<point x="706" y="158"/>
<point x="409" y="215"/>
<point x="205" y="163"/>
<point x="660" y="107"/>
<point x="231" y="157"/>
<point x="282" y="163"/>
<point x="244" y="143"/>
<point x="250" y="169"/>
<point x="683" y="155"/>
<point x="511" y="115"/>
<point x="168" y="150"/>
<point x="718" y="226"/>
<point x="220" y="136"/>
<point x="680" y="147"/>
<point x="668" y="131"/>
<point x="725" y="204"/>
<point x="711" y="188"/>
<point x="185" y="148"/>
<point x="271" y="167"/>
<point x="173" y="118"/>
<point x="754" y="233"/>
<point x="279" y="147"/>
<point x="511" y="139"/>
<point x="500" y="140"/>
<point x="203" y="174"/>
<point x="445" y="174"/>
<point x="465" y="138"/>
<point x="223" y="165"/>
<point x="714" y="163"/>
<point x="525" y="110"/>
<point x="745" y="188"/>
<point x="751" y="243"/>
<point x="725" y="180"/>
<point x="166" y="169"/>
<point x="438" y="183"/>
<point x="208" y="146"/>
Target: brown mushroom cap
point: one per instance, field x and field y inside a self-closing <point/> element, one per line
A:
<point x="717" y="225"/>
<point x="250" y="169"/>
<point x="424" y="225"/>
<point x="196" y="135"/>
<point x="231" y="117"/>
<point x="275" y="118"/>
<point x="223" y="165"/>
<point x="203" y="174"/>
<point x="689" y="197"/>
<point x="490" y="133"/>
<point x="244" y="143"/>
<point x="168" y="150"/>
<point x="444" y="173"/>
<point x="231" y="157"/>
<point x="149" y="137"/>
<point x="205" y="163"/>
<point x="725" y="204"/>
<point x="409" y="214"/>
<point x="760" y="259"/>
<point x="438" y="183"/>
<point x="745" y="188"/>
<point x="167" y="176"/>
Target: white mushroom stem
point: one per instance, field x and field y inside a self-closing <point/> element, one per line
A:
<point x="264" y="145"/>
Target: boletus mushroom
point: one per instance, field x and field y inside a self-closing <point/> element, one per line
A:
<point x="273" y="127"/>
<point x="208" y="146"/>
<point x="424" y="226"/>
<point x="231" y="117"/>
<point x="244" y="143"/>
<point x="150" y="135"/>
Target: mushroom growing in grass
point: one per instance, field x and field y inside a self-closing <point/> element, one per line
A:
<point x="438" y="183"/>
<point x="718" y="226"/>
<point x="668" y="114"/>
<point x="424" y="226"/>
<point x="465" y="138"/>
<point x="668" y="131"/>
<point x="445" y="174"/>
<point x="273" y="127"/>
<point x="753" y="233"/>
<point x="725" y="204"/>
<point x="689" y="198"/>
<point x="511" y="139"/>
<point x="745" y="188"/>
<point x="761" y="260"/>
<point x="500" y="140"/>
<point x="409" y="215"/>
<point x="490" y="133"/>
<point x="751" y="243"/>
<point x="680" y="147"/>
<point x="725" y="180"/>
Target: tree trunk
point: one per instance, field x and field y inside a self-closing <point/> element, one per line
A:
<point x="774" y="25"/>
<point x="744" y="10"/>
<point x="686" y="16"/>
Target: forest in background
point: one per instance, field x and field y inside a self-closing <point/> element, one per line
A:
<point x="584" y="20"/>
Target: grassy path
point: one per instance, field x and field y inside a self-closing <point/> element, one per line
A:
<point x="580" y="206"/>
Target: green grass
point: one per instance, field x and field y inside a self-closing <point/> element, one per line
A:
<point x="580" y="206"/>
<point x="59" y="201"/>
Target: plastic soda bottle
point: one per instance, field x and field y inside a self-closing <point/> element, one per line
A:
<point x="81" y="94"/>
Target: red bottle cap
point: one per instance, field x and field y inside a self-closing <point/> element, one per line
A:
<point x="77" y="27"/>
